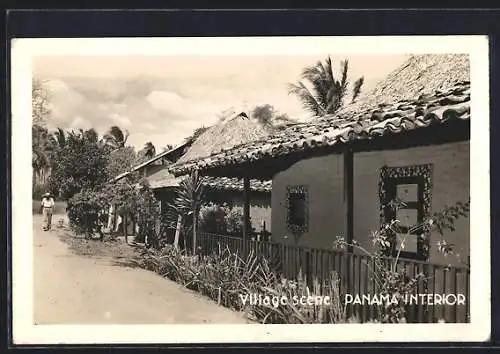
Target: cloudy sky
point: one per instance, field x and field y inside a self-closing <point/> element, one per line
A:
<point x="162" y="99"/>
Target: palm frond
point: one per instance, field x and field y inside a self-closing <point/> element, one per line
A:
<point x="357" y="87"/>
<point x="307" y="98"/>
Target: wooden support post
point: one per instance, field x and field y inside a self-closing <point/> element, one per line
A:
<point x="349" y="197"/>
<point x="349" y="211"/>
<point x="178" y="231"/>
<point x="246" y="213"/>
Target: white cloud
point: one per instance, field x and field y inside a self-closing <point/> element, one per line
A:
<point x="173" y="104"/>
<point x="148" y="126"/>
<point x="81" y="123"/>
<point x="120" y="120"/>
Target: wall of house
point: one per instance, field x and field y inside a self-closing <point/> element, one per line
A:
<point x="323" y="177"/>
<point x="450" y="184"/>
<point x="150" y="169"/>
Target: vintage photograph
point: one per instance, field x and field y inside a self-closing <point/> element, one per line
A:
<point x="323" y="187"/>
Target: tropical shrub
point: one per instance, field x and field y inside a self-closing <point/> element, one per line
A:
<point x="227" y="278"/>
<point x="38" y="190"/>
<point x="390" y="279"/>
<point x="86" y="212"/>
<point x="235" y="220"/>
<point x="213" y="219"/>
<point x="148" y="214"/>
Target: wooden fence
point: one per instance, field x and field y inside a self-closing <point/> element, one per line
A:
<point x="356" y="276"/>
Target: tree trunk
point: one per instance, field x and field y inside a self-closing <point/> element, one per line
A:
<point x="125" y="231"/>
<point x="178" y="231"/>
<point x="195" y="227"/>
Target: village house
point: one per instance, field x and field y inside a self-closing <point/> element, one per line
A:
<point x="408" y="138"/>
<point x="219" y="190"/>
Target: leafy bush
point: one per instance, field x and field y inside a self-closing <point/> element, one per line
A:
<point x="396" y="282"/>
<point x="86" y="212"/>
<point x="147" y="210"/>
<point x="213" y="219"/>
<point x="235" y="221"/>
<point x="38" y="190"/>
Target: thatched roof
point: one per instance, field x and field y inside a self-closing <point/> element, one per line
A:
<point x="419" y="75"/>
<point x="224" y="136"/>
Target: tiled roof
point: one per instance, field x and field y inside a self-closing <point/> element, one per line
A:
<point x="163" y="179"/>
<point x="386" y="119"/>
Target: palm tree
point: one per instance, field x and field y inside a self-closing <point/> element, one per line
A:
<point x="190" y="196"/>
<point x="327" y="93"/>
<point x="167" y="147"/>
<point x="149" y="150"/>
<point x="116" y="137"/>
<point x="60" y="137"/>
<point x="42" y="149"/>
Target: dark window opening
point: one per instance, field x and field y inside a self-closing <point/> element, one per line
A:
<point x="297" y="211"/>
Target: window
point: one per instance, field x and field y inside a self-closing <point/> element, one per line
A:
<point x="405" y="195"/>
<point x="297" y="209"/>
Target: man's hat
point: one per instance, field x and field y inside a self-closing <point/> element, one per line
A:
<point x="47" y="194"/>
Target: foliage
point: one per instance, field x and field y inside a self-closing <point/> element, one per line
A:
<point x="38" y="190"/>
<point x="327" y="93"/>
<point x="222" y="219"/>
<point x="149" y="150"/>
<point x="148" y="214"/>
<point x="43" y="147"/>
<point x="267" y="115"/>
<point x="81" y="164"/>
<point x="86" y="212"/>
<point x="235" y="220"/>
<point x="40" y="100"/>
<point x="389" y="278"/>
<point x="116" y="137"/>
<point x="213" y="219"/>
<point x="167" y="147"/>
<point x="189" y="199"/>
<point x="227" y="278"/>
<point x="120" y="160"/>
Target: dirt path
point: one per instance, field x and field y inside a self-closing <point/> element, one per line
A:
<point x="73" y="289"/>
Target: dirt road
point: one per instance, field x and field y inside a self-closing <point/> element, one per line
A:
<point x="73" y="289"/>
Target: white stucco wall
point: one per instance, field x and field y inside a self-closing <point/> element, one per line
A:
<point x="450" y="184"/>
<point x="324" y="178"/>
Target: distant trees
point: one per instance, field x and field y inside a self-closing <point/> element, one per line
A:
<point x="42" y="143"/>
<point x="80" y="163"/>
<point x="167" y="147"/>
<point x="40" y="96"/>
<point x="116" y="137"/>
<point x="121" y="160"/>
<point x="267" y="115"/>
<point x="149" y="150"/>
<point x="327" y="93"/>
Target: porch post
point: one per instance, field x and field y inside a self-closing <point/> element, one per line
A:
<point x="349" y="196"/>
<point x="348" y="216"/>
<point x="246" y="212"/>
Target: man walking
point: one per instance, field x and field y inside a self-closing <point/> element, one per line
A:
<point x="47" y="209"/>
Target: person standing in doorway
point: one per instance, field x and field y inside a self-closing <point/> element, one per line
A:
<point x="47" y="210"/>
